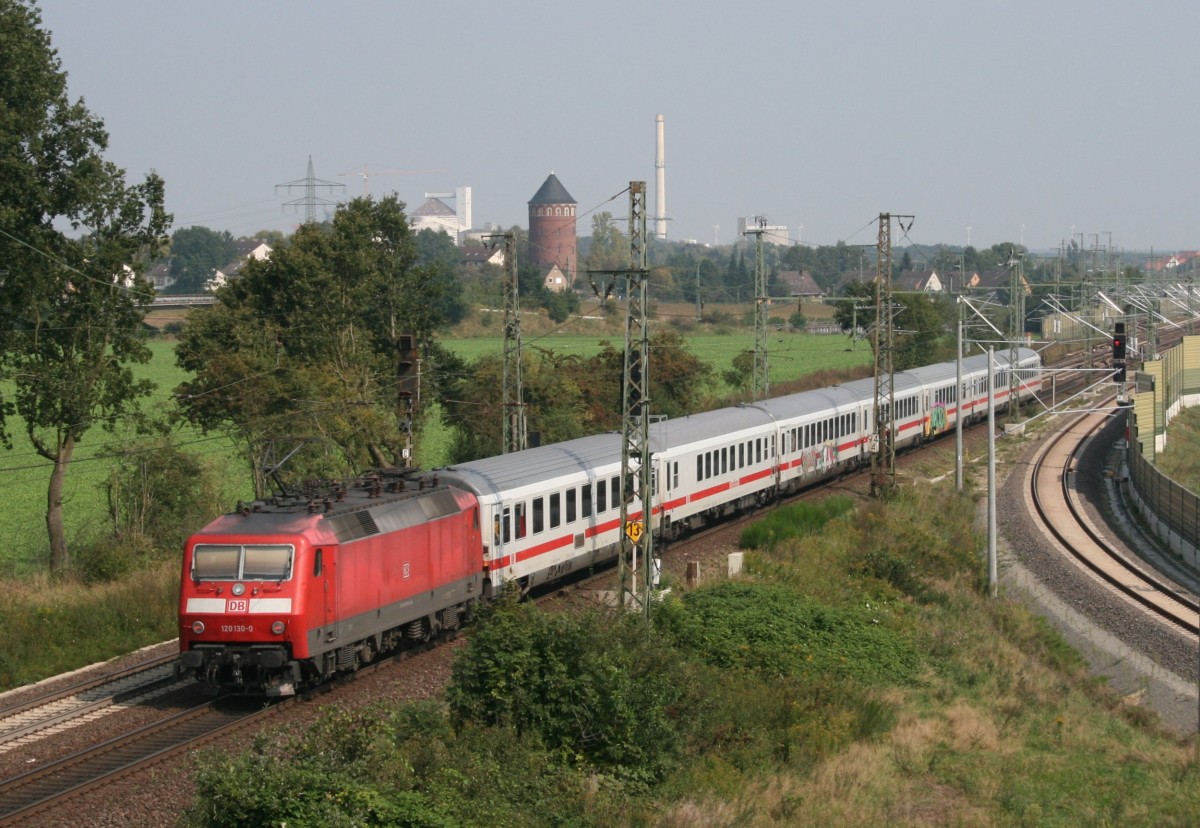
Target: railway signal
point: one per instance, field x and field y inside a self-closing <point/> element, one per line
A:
<point x="1118" y="351"/>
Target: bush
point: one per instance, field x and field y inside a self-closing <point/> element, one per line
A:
<point x="719" y="319"/>
<point x="780" y="632"/>
<point x="591" y="688"/>
<point x="157" y="496"/>
<point x="402" y="766"/>
<point x="112" y="558"/>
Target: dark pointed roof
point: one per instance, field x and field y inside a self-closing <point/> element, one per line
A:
<point x="552" y="192"/>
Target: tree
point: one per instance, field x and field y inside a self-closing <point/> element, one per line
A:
<point x="921" y="323"/>
<point x="568" y="396"/>
<point x="272" y="238"/>
<point x="305" y="344"/>
<point x="608" y="249"/>
<point x="73" y="302"/>
<point x="441" y="257"/>
<point x="195" y="253"/>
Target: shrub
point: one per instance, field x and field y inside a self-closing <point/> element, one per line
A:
<point x="112" y="558"/>
<point x="157" y="496"/>
<point x="591" y="688"/>
<point x="779" y="631"/>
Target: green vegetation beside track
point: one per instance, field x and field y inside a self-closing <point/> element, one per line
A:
<point x="855" y="675"/>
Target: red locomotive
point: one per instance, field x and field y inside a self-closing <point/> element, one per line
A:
<point x="288" y="591"/>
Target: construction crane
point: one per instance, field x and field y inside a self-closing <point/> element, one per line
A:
<point x="366" y="172"/>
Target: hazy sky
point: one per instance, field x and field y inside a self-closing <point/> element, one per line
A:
<point x="1009" y="117"/>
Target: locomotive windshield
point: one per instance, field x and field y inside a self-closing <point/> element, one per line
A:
<point x="258" y="562"/>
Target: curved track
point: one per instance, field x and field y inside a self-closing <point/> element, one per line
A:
<point x="1057" y="509"/>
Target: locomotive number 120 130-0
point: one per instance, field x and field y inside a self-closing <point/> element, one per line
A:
<point x="237" y="628"/>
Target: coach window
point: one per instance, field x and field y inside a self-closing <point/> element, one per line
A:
<point x="555" y="510"/>
<point x="539" y="515"/>
<point x="724" y="461"/>
<point x="601" y="497"/>
<point x="507" y="524"/>
<point x="585" y="497"/>
<point x="614" y="494"/>
<point x="519" y="516"/>
<point x="570" y="505"/>
<point x="707" y="465"/>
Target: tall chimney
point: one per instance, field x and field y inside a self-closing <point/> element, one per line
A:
<point x="660" y="179"/>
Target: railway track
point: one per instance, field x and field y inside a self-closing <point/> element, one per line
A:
<point x="84" y="701"/>
<point x="49" y="789"/>
<point x="1058" y="511"/>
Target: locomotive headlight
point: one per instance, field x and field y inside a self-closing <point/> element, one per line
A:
<point x="198" y="627"/>
<point x="277" y="627"/>
<point x="238" y="589"/>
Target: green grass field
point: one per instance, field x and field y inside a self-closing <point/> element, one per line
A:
<point x="791" y="354"/>
<point x="26" y="475"/>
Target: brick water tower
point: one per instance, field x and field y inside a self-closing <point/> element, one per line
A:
<point x="552" y="228"/>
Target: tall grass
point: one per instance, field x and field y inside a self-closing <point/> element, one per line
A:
<point x="792" y="521"/>
<point x="48" y="627"/>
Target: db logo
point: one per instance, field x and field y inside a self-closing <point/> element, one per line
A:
<point x="237" y="606"/>
<point x="407" y="570"/>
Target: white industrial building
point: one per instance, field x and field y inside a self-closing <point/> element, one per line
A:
<point x="436" y="214"/>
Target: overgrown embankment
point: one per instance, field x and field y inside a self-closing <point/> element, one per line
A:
<point x="855" y="676"/>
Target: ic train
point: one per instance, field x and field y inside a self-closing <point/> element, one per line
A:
<point x="287" y="592"/>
